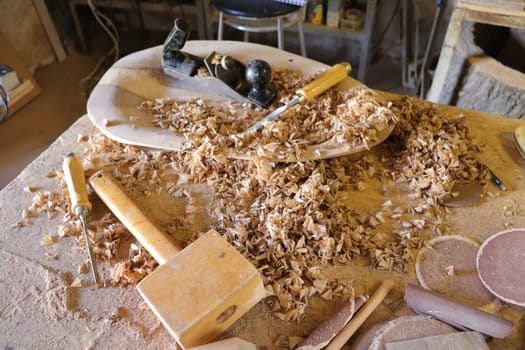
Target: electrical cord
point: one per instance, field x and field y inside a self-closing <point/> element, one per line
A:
<point x="86" y="82"/>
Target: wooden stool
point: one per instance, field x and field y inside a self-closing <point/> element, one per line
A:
<point x="260" y="16"/>
<point x="466" y="11"/>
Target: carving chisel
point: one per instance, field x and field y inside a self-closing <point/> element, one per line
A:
<point x="332" y="76"/>
<point x="80" y="205"/>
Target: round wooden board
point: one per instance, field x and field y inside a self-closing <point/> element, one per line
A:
<point x="500" y="263"/>
<point x="139" y="77"/>
<point x="406" y="328"/>
<point x="447" y="265"/>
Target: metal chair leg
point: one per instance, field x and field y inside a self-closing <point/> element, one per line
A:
<point x="280" y="33"/>
<point x="221" y="23"/>
<point x="301" y="38"/>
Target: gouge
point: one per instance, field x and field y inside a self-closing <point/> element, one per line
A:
<point x="80" y="205"/>
<point x="196" y="292"/>
<point x="334" y="75"/>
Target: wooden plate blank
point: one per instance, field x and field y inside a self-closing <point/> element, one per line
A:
<point x="501" y="265"/>
<point x="447" y="265"/>
<point x="139" y="76"/>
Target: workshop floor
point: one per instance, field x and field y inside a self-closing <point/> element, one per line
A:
<point x="33" y="128"/>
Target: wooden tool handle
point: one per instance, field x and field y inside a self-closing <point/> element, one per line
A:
<point x="161" y="246"/>
<point x="76" y="183"/>
<point x="519" y="136"/>
<point x="362" y="315"/>
<point x="334" y="75"/>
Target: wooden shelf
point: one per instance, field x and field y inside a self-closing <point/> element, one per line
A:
<point x="364" y="35"/>
<point x="346" y="33"/>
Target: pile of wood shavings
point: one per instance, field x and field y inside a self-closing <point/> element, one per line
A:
<point x="437" y="151"/>
<point x="352" y="117"/>
<point x="290" y="220"/>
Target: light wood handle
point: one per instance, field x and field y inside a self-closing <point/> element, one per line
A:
<point x="76" y="183"/>
<point x="161" y="246"/>
<point x="334" y="75"/>
<point x="369" y="307"/>
<point x="519" y="135"/>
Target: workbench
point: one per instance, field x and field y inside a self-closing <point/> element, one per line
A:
<point x="41" y="306"/>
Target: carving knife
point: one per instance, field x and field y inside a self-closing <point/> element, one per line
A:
<point x="334" y="75"/>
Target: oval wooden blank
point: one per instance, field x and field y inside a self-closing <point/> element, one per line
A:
<point x="139" y="76"/>
<point x="501" y="265"/>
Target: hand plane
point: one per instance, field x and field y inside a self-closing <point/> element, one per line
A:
<point x="221" y="74"/>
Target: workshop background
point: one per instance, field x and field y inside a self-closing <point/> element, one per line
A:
<point x="58" y="60"/>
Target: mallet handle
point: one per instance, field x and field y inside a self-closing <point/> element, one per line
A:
<point x="159" y="244"/>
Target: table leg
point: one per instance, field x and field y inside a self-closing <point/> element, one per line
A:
<point x="447" y="51"/>
<point x="220" y="26"/>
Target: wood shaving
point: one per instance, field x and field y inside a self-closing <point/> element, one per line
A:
<point x="29" y="189"/>
<point x="48" y="240"/>
<point x="77" y="283"/>
<point x="289" y="219"/>
<point x="352" y="117"/>
<point x="83" y="268"/>
<point x="438" y="150"/>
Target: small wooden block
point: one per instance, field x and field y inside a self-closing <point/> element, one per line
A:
<point x="203" y="290"/>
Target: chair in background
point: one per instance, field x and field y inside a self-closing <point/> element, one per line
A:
<point x="260" y="16"/>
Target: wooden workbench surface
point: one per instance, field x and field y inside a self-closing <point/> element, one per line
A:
<point x="40" y="309"/>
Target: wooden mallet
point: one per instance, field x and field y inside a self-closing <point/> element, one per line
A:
<point x="197" y="292"/>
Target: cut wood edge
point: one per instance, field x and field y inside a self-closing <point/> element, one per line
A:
<point x="497" y="70"/>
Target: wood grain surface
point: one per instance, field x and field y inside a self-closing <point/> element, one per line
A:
<point x="139" y="77"/>
<point x="39" y="307"/>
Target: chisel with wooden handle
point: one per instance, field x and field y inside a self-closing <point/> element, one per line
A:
<point x="196" y="292"/>
<point x="332" y="76"/>
<point x="80" y="205"/>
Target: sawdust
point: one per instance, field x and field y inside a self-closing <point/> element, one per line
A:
<point x="291" y="219"/>
<point x="50" y="288"/>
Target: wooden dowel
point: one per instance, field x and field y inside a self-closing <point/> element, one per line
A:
<point x="362" y="315"/>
